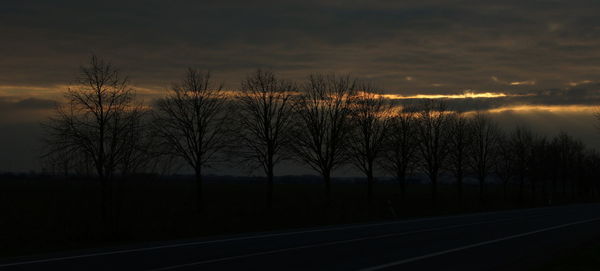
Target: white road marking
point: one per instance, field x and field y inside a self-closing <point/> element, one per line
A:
<point x="418" y="258"/>
<point x="325" y="244"/>
<point x="123" y="251"/>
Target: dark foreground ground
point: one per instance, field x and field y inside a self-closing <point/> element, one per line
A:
<point x="585" y="257"/>
<point x="49" y="215"/>
<point x="506" y="240"/>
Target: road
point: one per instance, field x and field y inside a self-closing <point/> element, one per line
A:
<point x="506" y="240"/>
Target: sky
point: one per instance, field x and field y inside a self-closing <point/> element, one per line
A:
<point x="531" y="63"/>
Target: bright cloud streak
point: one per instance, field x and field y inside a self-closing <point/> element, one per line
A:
<point x="574" y="84"/>
<point x="519" y="83"/>
<point x="465" y="95"/>
<point x="515" y="83"/>
<point x="546" y="108"/>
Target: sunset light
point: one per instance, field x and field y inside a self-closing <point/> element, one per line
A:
<point x="465" y="95"/>
<point x="360" y="135"/>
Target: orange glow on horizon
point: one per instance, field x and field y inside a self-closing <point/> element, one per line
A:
<point x="15" y="93"/>
<point x="547" y="108"/>
<point x="465" y="95"/>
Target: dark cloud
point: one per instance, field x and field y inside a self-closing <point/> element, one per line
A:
<point x="12" y="103"/>
<point x="444" y="45"/>
<point x="14" y="111"/>
<point x="35" y="103"/>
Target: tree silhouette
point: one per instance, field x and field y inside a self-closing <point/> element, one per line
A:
<point x="505" y="165"/>
<point x="432" y="130"/>
<point x="539" y="169"/>
<point x="591" y="165"/>
<point x="567" y="149"/>
<point x="402" y="145"/>
<point x="370" y="120"/>
<point x="323" y="123"/>
<point x="459" y="138"/>
<point x="100" y="124"/>
<point x="521" y="145"/>
<point x="485" y="136"/>
<point x="191" y="122"/>
<point x="265" y="107"/>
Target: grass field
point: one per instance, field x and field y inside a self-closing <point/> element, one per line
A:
<point x="41" y="216"/>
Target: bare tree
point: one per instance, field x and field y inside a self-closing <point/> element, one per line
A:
<point x="539" y="165"/>
<point x="505" y="165"/>
<point x="521" y="146"/>
<point x="432" y="131"/>
<point x="370" y="120"/>
<point x="591" y="166"/>
<point x="402" y="146"/>
<point x="64" y="162"/>
<point x="458" y="149"/>
<point x="265" y="107"/>
<point x="191" y="122"/>
<point x="323" y="123"/>
<point x="484" y="148"/>
<point x="567" y="149"/>
<point x="100" y="124"/>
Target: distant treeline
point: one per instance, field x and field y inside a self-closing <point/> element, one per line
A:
<point x="324" y="122"/>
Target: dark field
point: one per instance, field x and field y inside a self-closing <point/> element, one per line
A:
<point x="40" y="216"/>
<point x="584" y="258"/>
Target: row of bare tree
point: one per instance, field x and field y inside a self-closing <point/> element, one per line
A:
<point x="324" y="123"/>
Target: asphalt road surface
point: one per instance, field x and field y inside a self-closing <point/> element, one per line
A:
<point x="506" y="240"/>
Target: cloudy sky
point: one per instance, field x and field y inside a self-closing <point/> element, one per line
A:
<point x="539" y="61"/>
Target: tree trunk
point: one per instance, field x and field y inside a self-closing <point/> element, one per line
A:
<point x="327" y="179"/>
<point x="564" y="188"/>
<point x="597" y="182"/>
<point x="533" y="188"/>
<point x="104" y="201"/>
<point x="573" y="190"/>
<point x="370" y="180"/>
<point x="481" y="192"/>
<point x="553" y="195"/>
<point x="115" y="200"/>
<point x="402" y="181"/>
<point x="459" y="188"/>
<point x="544" y="192"/>
<point x="199" y="195"/>
<point x="434" y="190"/>
<point x="521" y="189"/>
<point x="107" y="206"/>
<point x="270" y="187"/>
<point x="505" y="188"/>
